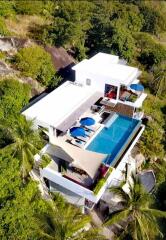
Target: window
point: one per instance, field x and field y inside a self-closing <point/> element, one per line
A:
<point x="88" y="81"/>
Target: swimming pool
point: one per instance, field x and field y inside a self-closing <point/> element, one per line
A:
<point x="112" y="139"/>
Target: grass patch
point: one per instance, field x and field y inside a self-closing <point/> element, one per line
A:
<point x="21" y="25"/>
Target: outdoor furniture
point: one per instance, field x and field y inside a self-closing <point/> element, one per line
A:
<point x="137" y="87"/>
<point x="108" y="102"/>
<point x="93" y="128"/>
<point x="87" y="121"/>
<point x="84" y="139"/>
<point x="77" y="142"/>
<point x="125" y="96"/>
<point x="77" y="132"/>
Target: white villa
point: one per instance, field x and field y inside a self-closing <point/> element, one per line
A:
<point x="92" y="125"/>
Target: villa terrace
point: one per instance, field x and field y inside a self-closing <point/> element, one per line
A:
<point x="92" y="125"/>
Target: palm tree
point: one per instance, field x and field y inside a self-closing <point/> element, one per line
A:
<point x="64" y="222"/>
<point x="140" y="219"/>
<point x="158" y="83"/>
<point x="25" y="143"/>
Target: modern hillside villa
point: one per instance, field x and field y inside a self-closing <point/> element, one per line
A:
<point x="92" y="124"/>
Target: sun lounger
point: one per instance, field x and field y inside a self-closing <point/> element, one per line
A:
<point x="85" y="139"/>
<point x="78" y="143"/>
<point x="93" y="127"/>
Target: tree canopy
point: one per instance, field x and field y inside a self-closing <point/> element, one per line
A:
<point x="13" y="97"/>
<point x="137" y="212"/>
<point x="35" y="62"/>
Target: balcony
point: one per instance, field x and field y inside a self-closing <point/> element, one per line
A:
<point x="79" y="183"/>
<point x="131" y="99"/>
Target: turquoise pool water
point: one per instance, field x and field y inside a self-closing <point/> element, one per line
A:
<point x="112" y="139"/>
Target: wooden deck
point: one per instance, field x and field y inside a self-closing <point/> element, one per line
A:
<point x="122" y="109"/>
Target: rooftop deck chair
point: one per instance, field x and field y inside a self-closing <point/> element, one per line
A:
<point x="93" y="128"/>
<point x="77" y="142"/>
<point x="85" y="139"/>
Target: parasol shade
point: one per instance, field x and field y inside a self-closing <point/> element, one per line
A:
<point x="137" y="87"/>
<point x="77" y="132"/>
<point x="87" y="121"/>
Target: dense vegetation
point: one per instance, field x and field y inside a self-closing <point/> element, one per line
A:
<point x="134" y="30"/>
<point x="35" y="62"/>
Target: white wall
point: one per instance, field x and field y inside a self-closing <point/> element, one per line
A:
<point x="97" y="81"/>
<point x="57" y="178"/>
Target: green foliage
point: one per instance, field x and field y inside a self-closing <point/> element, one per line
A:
<point x="2" y="55"/>
<point x="154" y="19"/>
<point x="102" y="181"/>
<point x="129" y="16"/>
<point x="29" y="7"/>
<point x="158" y="83"/>
<point x="149" y="52"/>
<point x="152" y="141"/>
<point x="160" y="171"/>
<point x="19" y="203"/>
<point x="153" y="56"/>
<point x="17" y="215"/>
<point x="99" y="185"/>
<point x="6" y="8"/>
<point x="13" y="96"/>
<point x="122" y="43"/>
<point x="136" y="210"/>
<point x="71" y="22"/>
<point x="3" y="28"/>
<point x="99" y="35"/>
<point x="65" y="221"/>
<point x="25" y="144"/>
<point x="35" y="62"/>
<point x="45" y="161"/>
<point x="9" y="173"/>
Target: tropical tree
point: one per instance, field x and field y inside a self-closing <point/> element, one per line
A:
<point x="35" y="62"/>
<point x="25" y="143"/>
<point x="140" y="218"/>
<point x="158" y="83"/>
<point x="14" y="95"/>
<point x="65" y="221"/>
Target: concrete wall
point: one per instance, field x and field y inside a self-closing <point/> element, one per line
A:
<point x="57" y="178"/>
<point x="97" y="81"/>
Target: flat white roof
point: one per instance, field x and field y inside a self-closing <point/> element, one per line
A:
<point x="108" y="65"/>
<point x="58" y="105"/>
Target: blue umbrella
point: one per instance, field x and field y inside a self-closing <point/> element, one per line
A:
<point x="137" y="87"/>
<point x="87" y="121"/>
<point x="77" y="132"/>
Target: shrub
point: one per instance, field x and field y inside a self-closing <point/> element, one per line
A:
<point x="152" y="56"/>
<point x="13" y="96"/>
<point x="45" y="161"/>
<point x="7" y="8"/>
<point x="102" y="181"/>
<point x="35" y="62"/>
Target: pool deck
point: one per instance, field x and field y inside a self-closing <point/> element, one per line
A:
<point x="93" y="134"/>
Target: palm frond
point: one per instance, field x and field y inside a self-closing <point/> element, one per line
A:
<point x="156" y="213"/>
<point x="118" y="217"/>
<point x="117" y="190"/>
